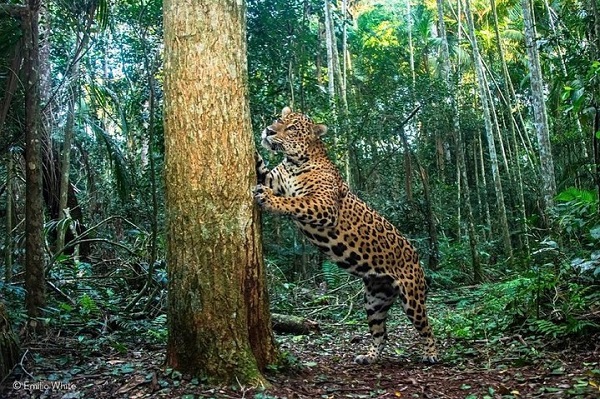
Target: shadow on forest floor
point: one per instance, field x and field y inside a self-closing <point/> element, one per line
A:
<point x="320" y="367"/>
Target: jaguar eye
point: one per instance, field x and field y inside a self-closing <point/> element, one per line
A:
<point x="270" y="132"/>
<point x="279" y="121"/>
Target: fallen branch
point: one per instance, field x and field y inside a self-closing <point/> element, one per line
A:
<point x="289" y="324"/>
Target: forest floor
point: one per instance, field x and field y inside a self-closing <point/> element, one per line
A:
<point x="320" y="366"/>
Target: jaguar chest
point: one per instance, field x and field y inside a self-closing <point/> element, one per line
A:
<point x="294" y="182"/>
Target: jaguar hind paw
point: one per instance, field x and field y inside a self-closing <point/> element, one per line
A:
<point x="365" y="359"/>
<point x="431" y="359"/>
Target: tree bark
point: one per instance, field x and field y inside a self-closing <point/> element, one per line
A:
<point x="330" y="61"/>
<point x="434" y="246"/>
<point x="481" y="83"/>
<point x="338" y="91"/>
<point x="218" y="316"/>
<point x="11" y="82"/>
<point x="596" y="95"/>
<point x="482" y="200"/>
<point x="8" y="240"/>
<point x="411" y="49"/>
<point x="65" y="166"/>
<point x="463" y="182"/>
<point x="539" y="111"/>
<point x="513" y="127"/>
<point x="35" y="298"/>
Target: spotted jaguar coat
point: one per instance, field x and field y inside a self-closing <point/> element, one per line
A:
<point x="307" y="187"/>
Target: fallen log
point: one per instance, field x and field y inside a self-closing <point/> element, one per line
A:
<point x="288" y="324"/>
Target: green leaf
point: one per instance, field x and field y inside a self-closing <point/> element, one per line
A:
<point x="575" y="194"/>
<point x="127" y="368"/>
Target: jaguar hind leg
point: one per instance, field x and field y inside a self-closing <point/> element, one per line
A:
<point x="380" y="294"/>
<point x="413" y="303"/>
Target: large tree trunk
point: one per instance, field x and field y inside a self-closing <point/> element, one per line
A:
<point x="35" y="298"/>
<point x="218" y="317"/>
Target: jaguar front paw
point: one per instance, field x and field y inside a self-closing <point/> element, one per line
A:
<point x="262" y="195"/>
<point x="261" y="168"/>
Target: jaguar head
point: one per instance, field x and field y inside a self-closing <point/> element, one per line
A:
<point x="293" y="134"/>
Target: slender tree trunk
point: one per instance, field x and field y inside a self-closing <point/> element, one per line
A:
<point x="218" y="315"/>
<point x="496" y="126"/>
<point x="513" y="127"/>
<point x="466" y="197"/>
<point x="35" y="285"/>
<point x="444" y="41"/>
<point x="539" y="111"/>
<point x="8" y="239"/>
<point x="434" y="246"/>
<point x="411" y="50"/>
<point x="408" y="169"/>
<point x="318" y="59"/>
<point x="479" y="158"/>
<point x="408" y="155"/>
<point x="65" y="166"/>
<point x="153" y="184"/>
<point x="345" y="53"/>
<point x="330" y="61"/>
<point x="596" y="99"/>
<point x="342" y="77"/>
<point x="596" y="148"/>
<point x="152" y="110"/>
<point x="337" y="91"/>
<point x="473" y="240"/>
<point x="12" y="79"/>
<point x="463" y="182"/>
<point x="337" y="70"/>
<point x="481" y="83"/>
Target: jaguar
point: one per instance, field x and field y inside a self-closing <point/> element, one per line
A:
<point x="307" y="187"/>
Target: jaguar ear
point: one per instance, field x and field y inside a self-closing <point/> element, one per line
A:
<point x="319" y="130"/>
<point x="285" y="112"/>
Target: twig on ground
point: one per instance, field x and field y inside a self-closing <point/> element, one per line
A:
<point x="22" y="366"/>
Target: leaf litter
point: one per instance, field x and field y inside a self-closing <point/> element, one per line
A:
<point x="320" y="366"/>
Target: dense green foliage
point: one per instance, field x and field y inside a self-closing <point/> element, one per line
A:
<point x="106" y="57"/>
